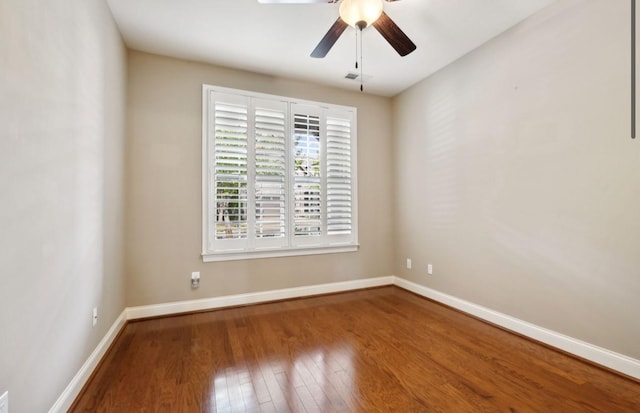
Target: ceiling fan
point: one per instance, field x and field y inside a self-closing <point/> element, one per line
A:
<point x="359" y="14"/>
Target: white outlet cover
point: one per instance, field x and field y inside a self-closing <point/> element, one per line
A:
<point x="408" y="263"/>
<point x="430" y="269"/>
<point x="195" y="275"/>
<point x="4" y="402"/>
<point x="95" y="318"/>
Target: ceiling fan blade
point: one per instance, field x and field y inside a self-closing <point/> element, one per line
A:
<point x="296" y="1"/>
<point x="392" y="33"/>
<point x="329" y="39"/>
<point x="302" y="1"/>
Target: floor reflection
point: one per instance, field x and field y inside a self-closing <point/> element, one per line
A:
<point x="317" y="380"/>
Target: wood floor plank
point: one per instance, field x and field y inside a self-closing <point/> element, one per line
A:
<point x="377" y="350"/>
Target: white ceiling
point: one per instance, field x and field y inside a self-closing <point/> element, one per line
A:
<point x="277" y="39"/>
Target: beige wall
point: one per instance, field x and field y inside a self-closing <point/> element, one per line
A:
<point x="62" y="96"/>
<point x="517" y="178"/>
<point x="164" y="192"/>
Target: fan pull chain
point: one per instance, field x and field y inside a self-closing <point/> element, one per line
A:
<point x="361" y="87"/>
<point x="356" y="49"/>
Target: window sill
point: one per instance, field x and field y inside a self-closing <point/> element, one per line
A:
<point x="275" y="253"/>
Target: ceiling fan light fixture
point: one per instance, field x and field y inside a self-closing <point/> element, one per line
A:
<point x="356" y="11"/>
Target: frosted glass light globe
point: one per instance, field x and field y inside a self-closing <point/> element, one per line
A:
<point x="354" y="11"/>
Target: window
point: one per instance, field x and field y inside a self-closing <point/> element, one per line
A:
<point x="279" y="176"/>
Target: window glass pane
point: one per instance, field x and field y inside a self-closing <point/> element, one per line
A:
<point x="307" y="179"/>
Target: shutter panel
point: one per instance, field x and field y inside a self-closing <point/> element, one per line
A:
<point x="339" y="180"/>
<point x="230" y="170"/>
<point x="307" y="183"/>
<point x="270" y="173"/>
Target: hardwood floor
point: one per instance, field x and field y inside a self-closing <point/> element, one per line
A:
<point x="378" y="350"/>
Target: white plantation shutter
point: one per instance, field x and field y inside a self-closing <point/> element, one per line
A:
<point x="270" y="172"/>
<point x="230" y="169"/>
<point x="339" y="172"/>
<point x="307" y="173"/>
<point x="279" y="176"/>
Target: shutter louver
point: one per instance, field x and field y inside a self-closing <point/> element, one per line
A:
<point x="230" y="173"/>
<point x="270" y="181"/>
<point x="307" y="179"/>
<point x="339" y="185"/>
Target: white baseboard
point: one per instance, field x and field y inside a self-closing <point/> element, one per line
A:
<point x="604" y="357"/>
<point x="73" y="389"/>
<point x="598" y="355"/>
<point x="253" y="298"/>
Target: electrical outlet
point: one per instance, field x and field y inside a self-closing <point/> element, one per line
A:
<point x="95" y="316"/>
<point x="430" y="269"/>
<point x="408" y="263"/>
<point x="195" y="280"/>
<point x="4" y="402"/>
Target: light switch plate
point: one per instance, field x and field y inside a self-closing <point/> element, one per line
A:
<point x="4" y="403"/>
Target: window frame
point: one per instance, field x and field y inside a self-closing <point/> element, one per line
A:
<point x="325" y="243"/>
